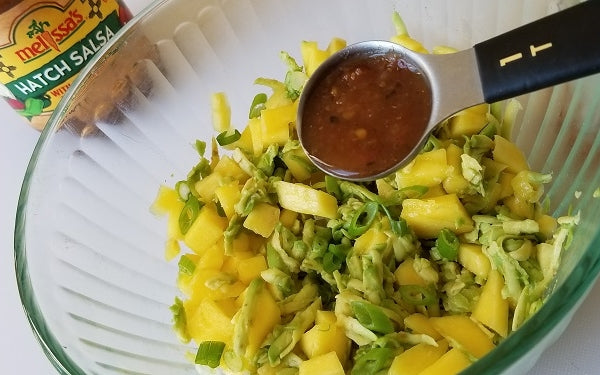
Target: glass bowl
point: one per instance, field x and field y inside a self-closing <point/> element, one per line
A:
<point x="89" y="254"/>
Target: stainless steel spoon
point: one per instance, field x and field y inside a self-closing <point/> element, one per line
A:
<point x="555" y="49"/>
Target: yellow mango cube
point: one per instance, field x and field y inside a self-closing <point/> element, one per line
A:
<point x="255" y="127"/>
<point x="325" y="364"/>
<point x="417" y="358"/>
<point x="275" y="124"/>
<point x="491" y="308"/>
<point x="325" y="336"/>
<point x="228" y="195"/>
<point x="288" y="218"/>
<point x="420" y="323"/>
<point x="463" y="331"/>
<point x="372" y="238"/>
<point x="312" y="56"/>
<point x="213" y="257"/>
<point x="262" y="219"/>
<point x="473" y="259"/>
<point x="210" y="322"/>
<point x="228" y="167"/>
<point x="298" y="164"/>
<point x="427" y="217"/>
<point x="408" y="42"/>
<point x="406" y="274"/>
<point x="207" y="186"/>
<point x="427" y="169"/>
<point x="454" y="183"/>
<point x="206" y="230"/>
<point x="267" y="316"/>
<point x="250" y="268"/>
<point x="508" y="153"/>
<point x="451" y="363"/>
<point x="306" y="200"/>
<point x="166" y="201"/>
<point x="466" y="122"/>
<point x="221" y="112"/>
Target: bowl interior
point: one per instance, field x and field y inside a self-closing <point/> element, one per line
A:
<point x="89" y="254"/>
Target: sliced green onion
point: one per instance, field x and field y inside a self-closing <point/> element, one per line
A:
<point x="332" y="262"/>
<point x="186" y="265"/>
<point x="372" y="317"/>
<point x="200" y="146"/>
<point x="447" y="244"/>
<point x="373" y="361"/>
<point x="414" y="191"/>
<point x="418" y="295"/>
<point x="332" y="186"/>
<point x="189" y="213"/>
<point x="319" y="247"/>
<point x="228" y="137"/>
<point x="363" y="218"/>
<point x="183" y="190"/>
<point x="339" y="250"/>
<point x="258" y="104"/>
<point x="209" y="353"/>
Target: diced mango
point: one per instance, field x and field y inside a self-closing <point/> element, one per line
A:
<point x="451" y="363"/>
<point x="266" y="317"/>
<point x="209" y="322"/>
<point x="172" y="249"/>
<point x="373" y="238"/>
<point x="221" y="112"/>
<point x="466" y="122"/>
<point x="304" y="199"/>
<point x="408" y="42"/>
<point x="417" y="358"/>
<point x="336" y="44"/>
<point x="325" y="336"/>
<point x="275" y="124"/>
<point x="173" y="228"/>
<point x="262" y="219"/>
<point x="491" y="308"/>
<point x="166" y="201"/>
<point x="230" y="168"/>
<point x="228" y="195"/>
<point x="508" y="153"/>
<point x="326" y="364"/>
<point x="407" y="275"/>
<point x="427" y="169"/>
<point x="206" y="230"/>
<point x="250" y="268"/>
<point x="213" y="257"/>
<point x="298" y="164"/>
<point x="473" y="259"/>
<point x="548" y="225"/>
<point x="288" y="218"/>
<point x="454" y="183"/>
<point x="427" y="217"/>
<point x="207" y="186"/>
<point x="312" y="56"/>
<point x="254" y="124"/>
<point x="505" y="180"/>
<point x="520" y="207"/>
<point x="463" y="331"/>
<point x="420" y="323"/>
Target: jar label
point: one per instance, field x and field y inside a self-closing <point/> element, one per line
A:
<point x="45" y="44"/>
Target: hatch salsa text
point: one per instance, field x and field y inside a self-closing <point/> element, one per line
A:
<point x="283" y="270"/>
<point x="366" y="115"/>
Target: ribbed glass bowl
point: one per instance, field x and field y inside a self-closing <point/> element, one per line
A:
<point x="89" y="254"/>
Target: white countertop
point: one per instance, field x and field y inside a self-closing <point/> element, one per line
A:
<point x="577" y="352"/>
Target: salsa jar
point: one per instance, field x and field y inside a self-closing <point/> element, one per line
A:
<point x="44" y="44"/>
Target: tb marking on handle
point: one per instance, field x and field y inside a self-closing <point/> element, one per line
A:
<point x="532" y="49"/>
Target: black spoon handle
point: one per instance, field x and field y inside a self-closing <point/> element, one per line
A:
<point x="555" y="49"/>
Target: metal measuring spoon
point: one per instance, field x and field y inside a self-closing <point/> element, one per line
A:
<point x="555" y="49"/>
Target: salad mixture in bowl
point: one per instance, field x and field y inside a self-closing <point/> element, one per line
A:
<point x="286" y="270"/>
<point x="475" y="256"/>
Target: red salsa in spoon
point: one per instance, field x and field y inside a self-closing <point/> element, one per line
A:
<point x="366" y="115"/>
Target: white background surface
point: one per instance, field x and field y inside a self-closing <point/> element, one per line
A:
<point x="577" y="352"/>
